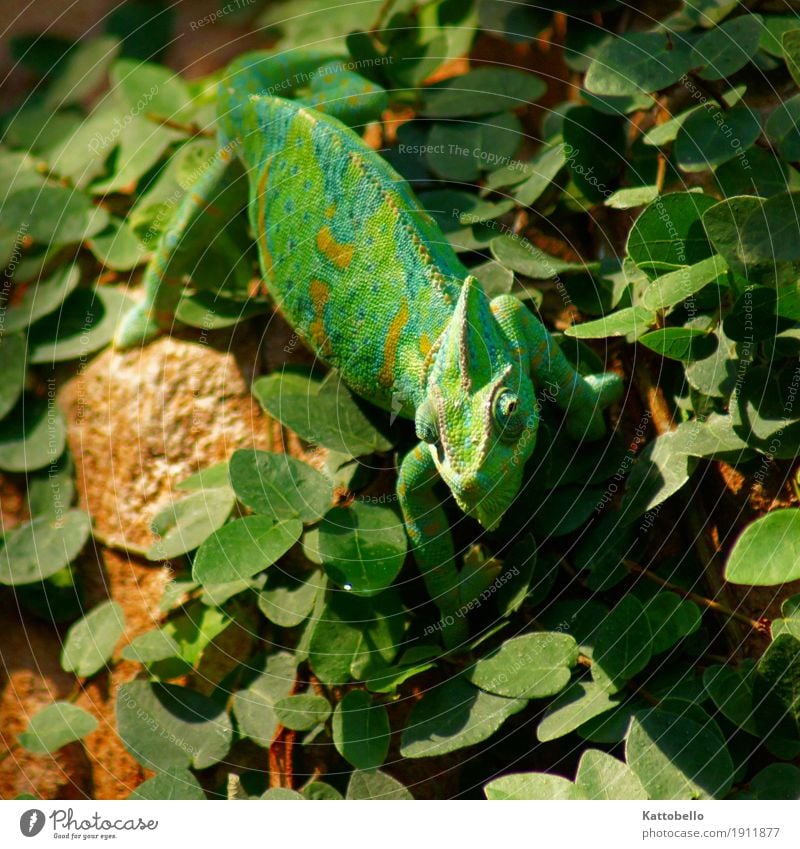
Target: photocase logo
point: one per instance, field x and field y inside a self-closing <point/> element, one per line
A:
<point x="31" y="822"/>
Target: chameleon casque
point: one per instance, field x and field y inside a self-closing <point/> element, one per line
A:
<point x="370" y="283"/>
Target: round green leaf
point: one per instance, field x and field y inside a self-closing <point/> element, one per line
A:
<point x="172" y="783"/>
<point x="361" y="730"/>
<point x="184" y="524"/>
<point x="302" y="712"/>
<point x="151" y="646"/>
<point x="376" y="785"/>
<point x="484" y="91"/>
<point x="631" y="320"/>
<point x="531" y="786"/>
<point x="39" y="299"/>
<point x="254" y="705"/>
<point x="768" y="552"/>
<point x="85" y="323"/>
<point x="163" y="726"/>
<point x="32" y="436"/>
<point x="704" y="141"/>
<point x="580" y="702"/>
<point x="623" y="645"/>
<point x="52" y="215"/>
<point x="777" y="781"/>
<point x="532" y="666"/>
<point x="636" y="63"/>
<point x="150" y="89"/>
<point x="90" y="642"/>
<point x="601" y="776"/>
<point x="772" y="233"/>
<point x="731" y="690"/>
<point x="363" y="547"/>
<point x="783" y="128"/>
<point x="675" y="757"/>
<point x="727" y="47"/>
<point x="322" y="412"/>
<point x="669" y="233"/>
<point x="55" y="726"/>
<point x="775" y="695"/>
<point x="287" y="600"/>
<point x="13" y="350"/>
<point x="671" y="619"/>
<point x="243" y="548"/>
<point x="40" y="548"/>
<point x="279" y="485"/>
<point x="680" y="343"/>
<point x="452" y="716"/>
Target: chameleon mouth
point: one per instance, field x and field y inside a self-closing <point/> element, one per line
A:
<point x="486" y="510"/>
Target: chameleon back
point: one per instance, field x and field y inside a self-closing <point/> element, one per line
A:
<point x="346" y="258"/>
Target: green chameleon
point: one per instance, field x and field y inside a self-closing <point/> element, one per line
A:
<point x="370" y="283"/>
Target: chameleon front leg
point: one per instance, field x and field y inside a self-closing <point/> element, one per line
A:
<point x="204" y="210"/>
<point x="582" y="398"/>
<point x="431" y="541"/>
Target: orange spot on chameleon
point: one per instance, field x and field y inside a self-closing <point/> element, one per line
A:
<point x="319" y="297"/>
<point x="386" y="374"/>
<point x="339" y="253"/>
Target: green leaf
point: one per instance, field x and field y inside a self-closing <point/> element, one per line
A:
<point x="40" y="548"/>
<point x="725" y="221"/>
<point x="376" y="785"/>
<point x="791" y="50"/>
<point x="163" y="726"/>
<point x="580" y="702"/>
<point x="321" y="791"/>
<point x="13" y="352"/>
<point x="173" y="783"/>
<point x="484" y="91"/>
<point x="782" y="127"/>
<point x="623" y="645"/>
<point x="90" y="642"/>
<point x="631" y="320"/>
<point x="525" y="258"/>
<point x="776" y="695"/>
<point x="321" y="412"/>
<point x="768" y="551"/>
<point x="594" y="145"/>
<point x="279" y="485"/>
<point x="363" y="547"/>
<point x="680" y="343"/>
<point x="676" y="757"/>
<point x="544" y="168"/>
<point x="726" y="48"/>
<point x="773" y="232"/>
<point x="83" y="72"/>
<point x="669" y="233"/>
<point x="539" y="786"/>
<point x="243" y="548"/>
<point x="212" y="311"/>
<point x="117" y="247"/>
<point x="705" y="140"/>
<point x="286" y="599"/>
<point x="670" y="289"/>
<point x="671" y="619"/>
<point x="254" y="705"/>
<point x="85" y="323"/>
<point x="151" y="646"/>
<point x="459" y="150"/>
<point x="532" y="666"/>
<point x="148" y="89"/>
<point x="55" y="726"/>
<point x="772" y="33"/>
<point x="361" y="730"/>
<point x="184" y="524"/>
<point x="352" y="634"/>
<point x="452" y="716"/>
<point x="637" y="62"/>
<point x="632" y="198"/>
<point x="302" y="712"/>
<point x="659" y="471"/>
<point x="601" y="776"/>
<point x="39" y="299"/>
<point x="731" y="690"/>
<point x="52" y="215"/>
<point x="777" y="781"/>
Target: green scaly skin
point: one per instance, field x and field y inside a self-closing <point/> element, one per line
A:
<point x="368" y="280"/>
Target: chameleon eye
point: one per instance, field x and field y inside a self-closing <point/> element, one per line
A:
<point x="507" y="415"/>
<point x="426" y="425"/>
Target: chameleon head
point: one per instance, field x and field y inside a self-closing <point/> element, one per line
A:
<point x="479" y="416"/>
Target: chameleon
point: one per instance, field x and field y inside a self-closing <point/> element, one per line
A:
<point x="367" y="279"/>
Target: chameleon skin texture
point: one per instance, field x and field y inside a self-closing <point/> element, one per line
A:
<point x="371" y="284"/>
